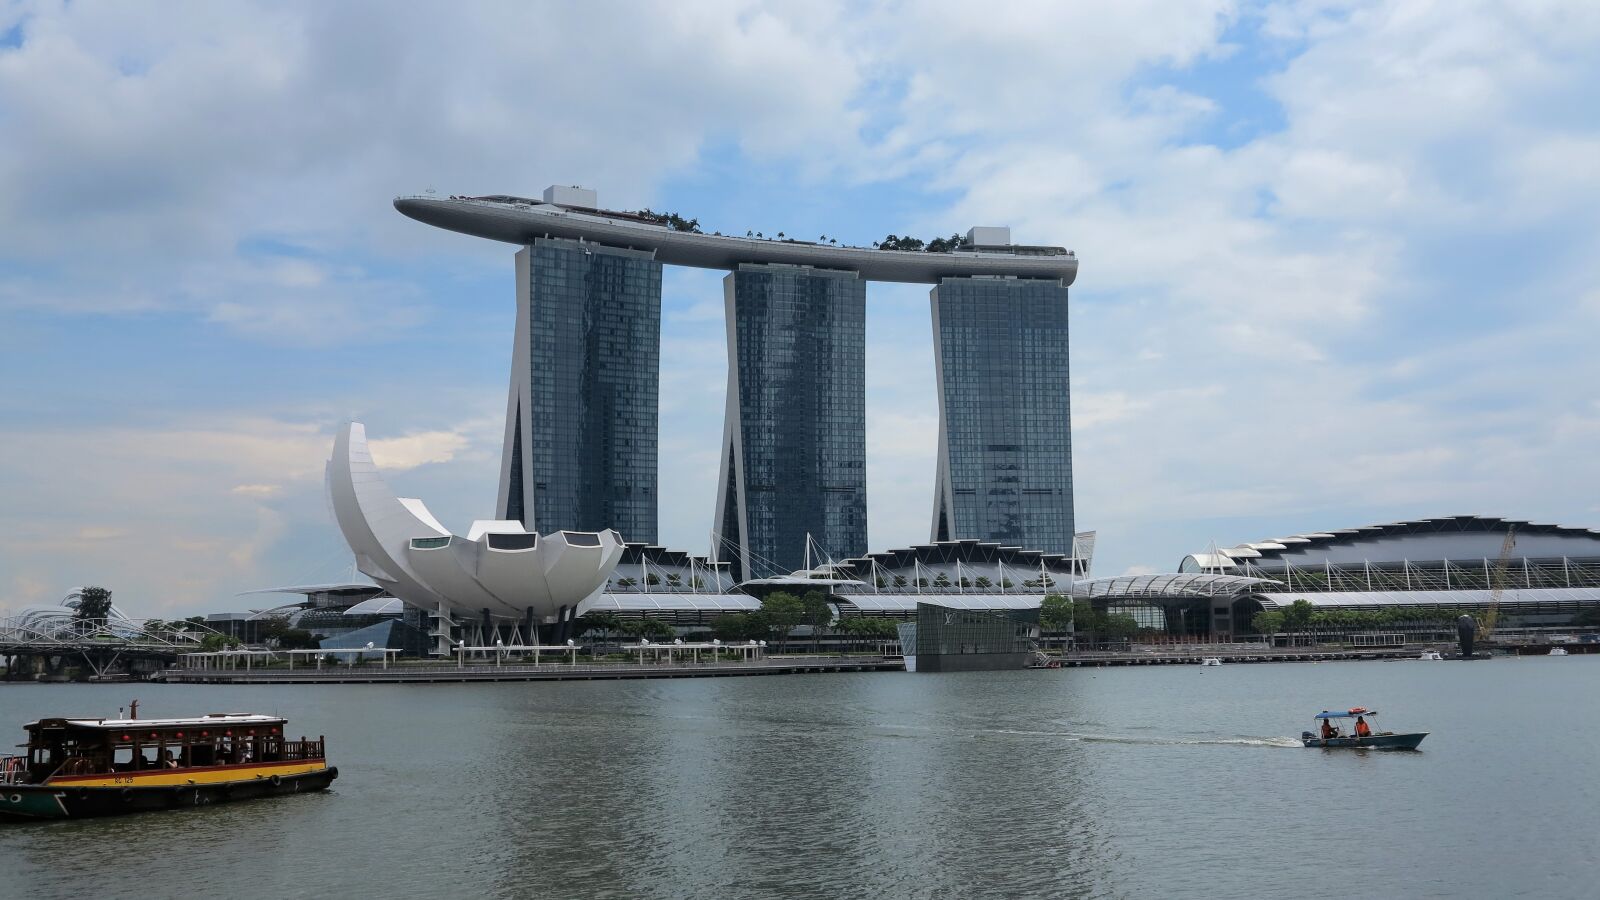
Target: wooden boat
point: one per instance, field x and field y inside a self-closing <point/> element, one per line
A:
<point x="77" y="768"/>
<point x="1337" y="740"/>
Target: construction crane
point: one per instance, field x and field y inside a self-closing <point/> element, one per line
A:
<point x="1497" y="584"/>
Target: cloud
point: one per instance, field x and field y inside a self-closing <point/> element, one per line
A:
<point x="412" y="450"/>
<point x="1338" y="258"/>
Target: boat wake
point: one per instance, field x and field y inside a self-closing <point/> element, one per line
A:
<point x="1080" y="737"/>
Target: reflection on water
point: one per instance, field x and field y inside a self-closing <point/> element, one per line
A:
<point x="1088" y="783"/>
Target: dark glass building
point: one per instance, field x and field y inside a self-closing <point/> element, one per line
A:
<point x="794" y="443"/>
<point x="581" y="419"/>
<point x="1005" y="433"/>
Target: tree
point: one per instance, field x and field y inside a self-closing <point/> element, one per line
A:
<point x="646" y="627"/>
<point x="899" y="581"/>
<point x="1268" y="622"/>
<point x="604" y="622"/>
<point x="1121" y="626"/>
<point x="1298" y="616"/>
<point x="214" y="642"/>
<point x="1055" y="613"/>
<point x="740" y="627"/>
<point x="869" y="627"/>
<point x="94" y="605"/>
<point x="941" y="580"/>
<point x="783" y="612"/>
<point x="818" y="614"/>
<point x="674" y="579"/>
<point x="983" y="581"/>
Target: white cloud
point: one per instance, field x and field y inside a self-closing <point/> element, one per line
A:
<point x="1370" y="306"/>
<point x="409" y="451"/>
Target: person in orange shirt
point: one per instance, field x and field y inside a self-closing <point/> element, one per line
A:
<point x="1362" y="728"/>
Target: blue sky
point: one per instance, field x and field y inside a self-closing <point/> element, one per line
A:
<point x="1338" y="258"/>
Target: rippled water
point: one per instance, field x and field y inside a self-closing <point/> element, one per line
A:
<point x="1096" y="783"/>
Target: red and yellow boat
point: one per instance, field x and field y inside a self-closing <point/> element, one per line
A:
<point x="77" y="768"/>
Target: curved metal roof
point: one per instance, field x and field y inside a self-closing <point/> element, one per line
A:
<point x="908" y="602"/>
<point x="377" y="606"/>
<point x="1300" y="543"/>
<point x="1185" y="584"/>
<point x="518" y="221"/>
<point x="669" y="602"/>
<point x="1454" y="597"/>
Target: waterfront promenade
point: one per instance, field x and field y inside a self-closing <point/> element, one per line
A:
<point x="481" y="671"/>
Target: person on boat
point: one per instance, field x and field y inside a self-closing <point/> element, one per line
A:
<point x="1328" y="731"/>
<point x="1362" y="728"/>
<point x="167" y="762"/>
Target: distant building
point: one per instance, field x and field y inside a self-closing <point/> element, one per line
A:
<point x="1005" y="432"/>
<point x="580" y="450"/>
<point x="794" y="443"/>
<point x="976" y="575"/>
<point x="581" y="419"/>
<point x="1545" y="575"/>
<point x="947" y="639"/>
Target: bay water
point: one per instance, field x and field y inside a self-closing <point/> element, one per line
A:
<point x="1117" y="782"/>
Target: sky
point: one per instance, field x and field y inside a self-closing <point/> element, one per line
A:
<point x="1339" y="261"/>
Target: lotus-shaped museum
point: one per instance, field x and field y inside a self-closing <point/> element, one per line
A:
<point x="498" y="574"/>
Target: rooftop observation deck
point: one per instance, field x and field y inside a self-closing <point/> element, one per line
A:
<point x="518" y="220"/>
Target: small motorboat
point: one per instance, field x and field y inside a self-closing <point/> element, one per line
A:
<point x="1211" y="661"/>
<point x="1558" y="651"/>
<point x="1431" y="655"/>
<point x="1329" y="736"/>
<point x="78" y="768"/>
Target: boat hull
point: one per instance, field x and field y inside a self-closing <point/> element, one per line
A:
<point x="67" y="801"/>
<point x="1374" y="742"/>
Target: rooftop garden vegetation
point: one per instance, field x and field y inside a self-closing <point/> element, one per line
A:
<point x="671" y="220"/>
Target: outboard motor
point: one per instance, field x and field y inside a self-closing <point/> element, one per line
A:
<point x="1466" y="629"/>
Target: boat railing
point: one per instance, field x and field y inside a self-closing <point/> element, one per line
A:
<point x="302" y="749"/>
<point x="13" y="769"/>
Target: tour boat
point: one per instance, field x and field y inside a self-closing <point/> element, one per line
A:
<point x="1431" y="654"/>
<point x="1377" y="740"/>
<point x="1558" y="651"/>
<point x="77" y="768"/>
<point x="1211" y="661"/>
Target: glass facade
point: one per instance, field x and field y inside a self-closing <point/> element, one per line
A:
<point x="1005" y="451"/>
<point x="795" y="457"/>
<point x="593" y="319"/>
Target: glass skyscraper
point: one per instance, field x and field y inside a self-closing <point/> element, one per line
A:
<point x="581" y="419"/>
<point x="794" y="442"/>
<point x="1005" y="434"/>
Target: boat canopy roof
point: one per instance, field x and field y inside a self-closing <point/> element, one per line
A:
<point x="1350" y="713"/>
<point x="194" y="721"/>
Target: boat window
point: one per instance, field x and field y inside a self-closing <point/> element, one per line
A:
<point x="122" y="758"/>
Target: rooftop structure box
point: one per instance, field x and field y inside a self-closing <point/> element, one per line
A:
<point x="572" y="196"/>
<point x="989" y="236"/>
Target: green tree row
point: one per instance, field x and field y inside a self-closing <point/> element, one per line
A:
<point x="1303" y="616"/>
<point x="1058" y="612"/>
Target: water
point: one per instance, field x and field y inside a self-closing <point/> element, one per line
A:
<point x="1153" y="781"/>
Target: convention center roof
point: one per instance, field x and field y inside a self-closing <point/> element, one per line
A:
<point x="1185" y="584"/>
